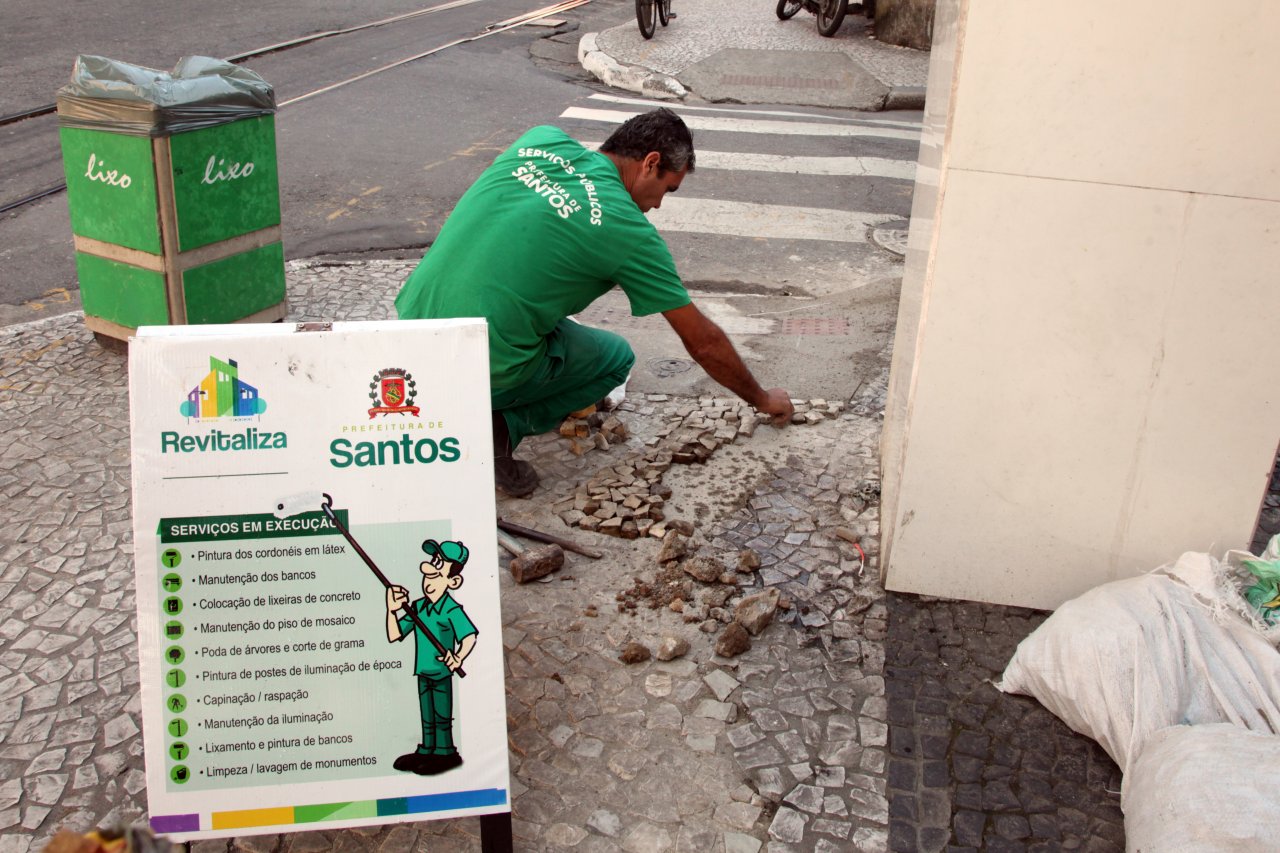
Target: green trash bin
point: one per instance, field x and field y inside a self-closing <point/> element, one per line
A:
<point x="174" y="194"/>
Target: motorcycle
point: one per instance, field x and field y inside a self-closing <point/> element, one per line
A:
<point x="830" y="13"/>
<point x="645" y="10"/>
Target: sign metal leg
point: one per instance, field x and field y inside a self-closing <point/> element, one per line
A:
<point x="495" y="833"/>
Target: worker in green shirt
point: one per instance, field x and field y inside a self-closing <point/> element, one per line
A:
<point x="546" y="230"/>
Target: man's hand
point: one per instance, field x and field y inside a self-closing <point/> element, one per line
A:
<point x="397" y="597"/>
<point x="450" y="660"/>
<point x="778" y="406"/>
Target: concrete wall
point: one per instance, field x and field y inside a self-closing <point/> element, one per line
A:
<point x="905" y="22"/>
<point x="1085" y="376"/>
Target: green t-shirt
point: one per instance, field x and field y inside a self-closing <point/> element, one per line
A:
<point x="544" y="232"/>
<point x="447" y="622"/>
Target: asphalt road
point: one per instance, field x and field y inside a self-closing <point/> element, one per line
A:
<point x="373" y="168"/>
<point x="374" y="141"/>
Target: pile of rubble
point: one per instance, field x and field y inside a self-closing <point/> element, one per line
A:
<point x="628" y="499"/>
<point x="592" y="428"/>
<point x="684" y="572"/>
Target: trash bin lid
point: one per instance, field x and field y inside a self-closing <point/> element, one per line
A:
<point x="105" y="94"/>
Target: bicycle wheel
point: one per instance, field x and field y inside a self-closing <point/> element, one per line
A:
<point x="644" y="17"/>
<point x="664" y="11"/>
<point x="787" y="9"/>
<point x="831" y="15"/>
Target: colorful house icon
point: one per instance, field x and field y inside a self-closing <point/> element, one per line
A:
<point x="221" y="394"/>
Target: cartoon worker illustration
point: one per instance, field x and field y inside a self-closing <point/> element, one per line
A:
<point x="454" y="633"/>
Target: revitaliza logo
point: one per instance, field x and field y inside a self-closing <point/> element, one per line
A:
<point x="222" y="395"/>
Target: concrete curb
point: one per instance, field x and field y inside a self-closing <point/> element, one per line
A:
<point x="904" y="98"/>
<point x="631" y="78"/>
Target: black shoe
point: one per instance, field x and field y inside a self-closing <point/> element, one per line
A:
<point x="410" y="762"/>
<point x="513" y="477"/>
<point x="435" y="764"/>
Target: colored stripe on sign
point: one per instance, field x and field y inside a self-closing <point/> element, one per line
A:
<point x="252" y="817"/>
<point x="335" y="811"/>
<point x="175" y="823"/>
<point x="359" y="810"/>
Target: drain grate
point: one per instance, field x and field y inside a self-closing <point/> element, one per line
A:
<point x="665" y="367"/>
<point x="815" y="326"/>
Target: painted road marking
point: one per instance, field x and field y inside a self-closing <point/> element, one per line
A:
<point x="744" y="219"/>
<point x="618" y="99"/>
<point x="789" y="164"/>
<point x="870" y="167"/>
<point x="733" y="125"/>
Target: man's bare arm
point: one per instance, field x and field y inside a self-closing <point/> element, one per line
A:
<point x="711" y="348"/>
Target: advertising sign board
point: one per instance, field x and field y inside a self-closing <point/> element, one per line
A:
<point x="318" y="613"/>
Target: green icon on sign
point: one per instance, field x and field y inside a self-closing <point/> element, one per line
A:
<point x="171" y="558"/>
<point x="175" y="678"/>
<point x="175" y="655"/>
<point x="179" y="750"/>
<point x="173" y="605"/>
<point x="180" y="774"/>
<point x="171" y="582"/>
<point x="173" y="630"/>
<point x="177" y="728"/>
<point x="177" y="703"/>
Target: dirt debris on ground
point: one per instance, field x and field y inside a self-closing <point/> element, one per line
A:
<point x="629" y="499"/>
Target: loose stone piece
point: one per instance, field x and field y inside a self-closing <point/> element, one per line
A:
<point x="755" y="612"/>
<point x="672" y="647"/>
<point x="733" y="641"/>
<point x="634" y="652"/>
<point x="673" y="548"/>
<point x="705" y="569"/>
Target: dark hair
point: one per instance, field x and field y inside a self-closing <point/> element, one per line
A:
<point x="662" y="131"/>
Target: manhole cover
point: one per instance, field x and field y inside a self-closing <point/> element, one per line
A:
<point x="815" y="326"/>
<point x="664" y="367"/>
<point x="891" y="240"/>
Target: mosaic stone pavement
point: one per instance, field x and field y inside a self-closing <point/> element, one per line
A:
<point x="855" y="720"/>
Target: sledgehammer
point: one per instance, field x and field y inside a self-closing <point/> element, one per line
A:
<point x="529" y="564"/>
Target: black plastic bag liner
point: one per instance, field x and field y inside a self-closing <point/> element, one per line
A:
<point x="200" y="92"/>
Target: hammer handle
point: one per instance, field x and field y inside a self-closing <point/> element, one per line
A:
<point x="509" y="542"/>
<point x="539" y="536"/>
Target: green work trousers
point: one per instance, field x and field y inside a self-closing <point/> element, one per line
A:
<point x="582" y="366"/>
<point x="435" y="702"/>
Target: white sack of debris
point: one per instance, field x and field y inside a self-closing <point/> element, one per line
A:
<point x="1176" y="646"/>
<point x="1204" y="789"/>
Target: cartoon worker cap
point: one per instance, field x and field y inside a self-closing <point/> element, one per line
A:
<point x="454" y="552"/>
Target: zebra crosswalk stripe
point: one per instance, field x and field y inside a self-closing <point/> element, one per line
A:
<point x="792" y="164"/>
<point x="734" y="125"/>
<point x="745" y="219"/>
<point x="745" y="111"/>
<point x="689" y="213"/>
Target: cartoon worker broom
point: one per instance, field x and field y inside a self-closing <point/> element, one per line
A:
<point x="439" y="625"/>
